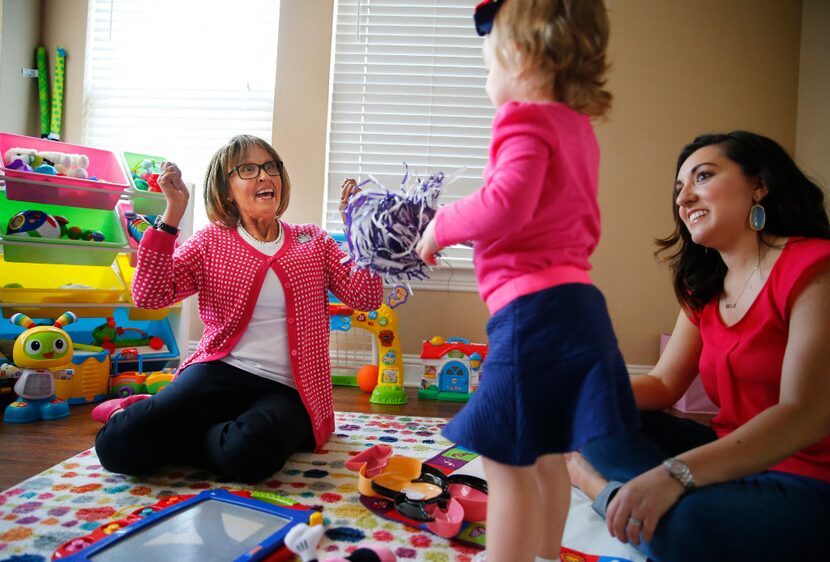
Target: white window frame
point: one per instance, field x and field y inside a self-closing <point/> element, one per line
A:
<point x="407" y="85"/>
<point x="179" y="78"/>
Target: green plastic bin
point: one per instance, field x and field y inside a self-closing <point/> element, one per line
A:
<point x="61" y="250"/>
<point x="144" y="202"/>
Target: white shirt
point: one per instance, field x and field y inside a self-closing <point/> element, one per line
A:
<point x="263" y="347"/>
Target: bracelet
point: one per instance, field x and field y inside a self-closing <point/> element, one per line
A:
<point x="679" y="470"/>
<point x="159" y="225"/>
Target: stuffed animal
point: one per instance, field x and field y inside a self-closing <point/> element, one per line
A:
<point x="47" y="162"/>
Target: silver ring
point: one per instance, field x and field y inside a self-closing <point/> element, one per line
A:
<point x="634" y="522"/>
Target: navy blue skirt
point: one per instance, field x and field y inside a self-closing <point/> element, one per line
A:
<point x="553" y="379"/>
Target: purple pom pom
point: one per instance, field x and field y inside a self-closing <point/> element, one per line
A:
<point x="383" y="228"/>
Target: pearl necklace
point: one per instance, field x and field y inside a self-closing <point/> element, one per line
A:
<point x="248" y="236"/>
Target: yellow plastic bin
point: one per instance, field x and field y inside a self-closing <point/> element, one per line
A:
<point x="62" y="250"/>
<point x="37" y="283"/>
<point x="135" y="313"/>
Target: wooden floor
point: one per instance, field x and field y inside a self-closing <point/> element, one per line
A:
<point x="27" y="449"/>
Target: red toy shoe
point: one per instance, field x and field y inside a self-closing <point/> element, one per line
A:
<point x="103" y="411"/>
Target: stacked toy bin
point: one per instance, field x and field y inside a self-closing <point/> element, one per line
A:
<point x="66" y="247"/>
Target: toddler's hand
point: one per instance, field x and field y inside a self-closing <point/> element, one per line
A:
<point x="427" y="246"/>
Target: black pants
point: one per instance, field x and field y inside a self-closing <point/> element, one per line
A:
<point x="215" y="416"/>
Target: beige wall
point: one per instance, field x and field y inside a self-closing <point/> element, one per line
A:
<point x="64" y="25"/>
<point x="19" y="37"/>
<point x="813" y="138"/>
<point x="679" y="68"/>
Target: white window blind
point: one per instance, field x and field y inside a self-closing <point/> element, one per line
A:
<point x="407" y="86"/>
<point x="178" y="78"/>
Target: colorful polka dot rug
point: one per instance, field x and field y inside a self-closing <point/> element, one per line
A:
<point x="77" y="496"/>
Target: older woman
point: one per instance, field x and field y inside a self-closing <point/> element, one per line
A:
<point x="751" y="261"/>
<point x="258" y="387"/>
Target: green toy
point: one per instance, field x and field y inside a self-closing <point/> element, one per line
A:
<point x="43" y="91"/>
<point x="57" y="95"/>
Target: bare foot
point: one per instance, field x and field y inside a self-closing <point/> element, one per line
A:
<point x="583" y="475"/>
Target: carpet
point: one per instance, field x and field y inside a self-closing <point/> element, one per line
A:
<point x="77" y="496"/>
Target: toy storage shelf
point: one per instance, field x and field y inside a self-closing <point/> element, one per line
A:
<point x="178" y="316"/>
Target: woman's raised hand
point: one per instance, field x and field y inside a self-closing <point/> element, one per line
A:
<point x="173" y="187"/>
<point x="347" y="189"/>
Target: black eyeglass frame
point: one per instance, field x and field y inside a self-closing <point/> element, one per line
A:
<point x="260" y="168"/>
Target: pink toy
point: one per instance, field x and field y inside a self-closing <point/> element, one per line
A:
<point x="302" y="540"/>
<point x="418" y="494"/>
<point x="374" y="459"/>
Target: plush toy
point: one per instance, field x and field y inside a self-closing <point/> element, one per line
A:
<point x="19" y="158"/>
<point x="47" y="162"/>
<point x="383" y="227"/>
<point x="36" y="351"/>
<point x="72" y="165"/>
<point x="302" y="540"/>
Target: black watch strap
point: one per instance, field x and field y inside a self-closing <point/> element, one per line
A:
<point x="159" y="225"/>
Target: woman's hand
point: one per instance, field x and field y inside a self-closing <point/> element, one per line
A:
<point x="427" y="246"/>
<point x="173" y="187"/>
<point x="644" y="499"/>
<point x="348" y="189"/>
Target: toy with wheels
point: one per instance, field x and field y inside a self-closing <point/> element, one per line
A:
<point x="130" y="383"/>
<point x="36" y="351"/>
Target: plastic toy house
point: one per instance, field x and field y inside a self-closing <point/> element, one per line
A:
<point x="452" y="368"/>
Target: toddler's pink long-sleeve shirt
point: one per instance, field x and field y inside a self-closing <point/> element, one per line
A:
<point x="535" y="222"/>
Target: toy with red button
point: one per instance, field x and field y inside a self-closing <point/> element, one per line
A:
<point x="213" y="525"/>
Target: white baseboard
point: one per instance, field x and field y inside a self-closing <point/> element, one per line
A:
<point x="412" y="366"/>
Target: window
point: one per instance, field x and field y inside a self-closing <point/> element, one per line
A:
<point x="408" y="86"/>
<point x="178" y="79"/>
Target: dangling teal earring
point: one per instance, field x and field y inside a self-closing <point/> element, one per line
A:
<point x="757" y="217"/>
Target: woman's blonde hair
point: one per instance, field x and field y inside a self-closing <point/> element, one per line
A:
<point x="560" y="42"/>
<point x="218" y="205"/>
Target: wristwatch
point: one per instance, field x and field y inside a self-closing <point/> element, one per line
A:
<point x="679" y="470"/>
<point x="159" y="225"/>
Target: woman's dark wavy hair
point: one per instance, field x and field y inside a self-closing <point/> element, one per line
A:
<point x="794" y="206"/>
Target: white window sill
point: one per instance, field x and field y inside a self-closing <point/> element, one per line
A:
<point x="444" y="279"/>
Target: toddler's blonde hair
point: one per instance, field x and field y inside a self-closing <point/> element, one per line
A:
<point x="559" y="43"/>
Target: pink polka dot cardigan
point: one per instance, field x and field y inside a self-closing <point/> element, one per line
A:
<point x="227" y="273"/>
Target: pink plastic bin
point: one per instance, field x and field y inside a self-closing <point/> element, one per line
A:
<point x="102" y="164"/>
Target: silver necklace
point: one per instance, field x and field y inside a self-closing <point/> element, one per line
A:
<point x="743" y="290"/>
<point x="757" y="268"/>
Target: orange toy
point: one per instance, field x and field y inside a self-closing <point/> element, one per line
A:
<point x="367" y="378"/>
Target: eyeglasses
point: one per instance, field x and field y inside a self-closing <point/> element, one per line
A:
<point x="249" y="170"/>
